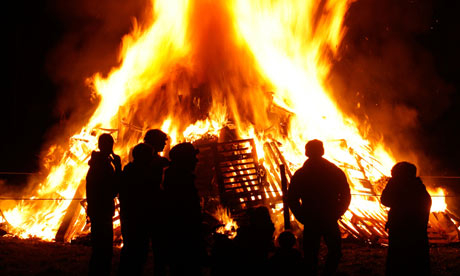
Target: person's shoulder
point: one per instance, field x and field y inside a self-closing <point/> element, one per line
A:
<point x="95" y="154"/>
<point x="418" y="181"/>
<point x="170" y="171"/>
<point x="332" y="166"/>
<point x="129" y="167"/>
<point x="95" y="157"/>
<point x="298" y="175"/>
<point x="295" y="254"/>
<point x="328" y="163"/>
<point x="302" y="169"/>
<point x="160" y="161"/>
<point x="420" y="186"/>
<point x="393" y="187"/>
<point x="164" y="161"/>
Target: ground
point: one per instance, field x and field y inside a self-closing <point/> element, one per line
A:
<point x="34" y="257"/>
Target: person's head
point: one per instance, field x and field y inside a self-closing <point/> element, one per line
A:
<point x="404" y="170"/>
<point x="259" y="215"/>
<point x="184" y="155"/>
<point x="156" y="138"/>
<point x="314" y="149"/>
<point x="287" y="239"/>
<point x="142" y="153"/>
<point x="105" y="143"/>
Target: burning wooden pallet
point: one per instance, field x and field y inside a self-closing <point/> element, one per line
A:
<point x="366" y="226"/>
<point x="239" y="174"/>
<point x="443" y="227"/>
<point x="362" y="224"/>
<point x="242" y="183"/>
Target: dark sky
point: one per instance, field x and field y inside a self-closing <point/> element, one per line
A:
<point x="52" y="46"/>
<point x="29" y="96"/>
<point x="399" y="61"/>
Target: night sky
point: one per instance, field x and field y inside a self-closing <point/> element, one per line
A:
<point x="53" y="46"/>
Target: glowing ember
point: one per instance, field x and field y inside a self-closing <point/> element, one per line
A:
<point x="257" y="66"/>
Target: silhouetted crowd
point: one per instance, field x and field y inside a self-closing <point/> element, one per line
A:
<point x="160" y="210"/>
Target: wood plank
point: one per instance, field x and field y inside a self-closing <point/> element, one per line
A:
<point x="239" y="176"/>
<point x="234" y="164"/>
<point x="64" y="233"/>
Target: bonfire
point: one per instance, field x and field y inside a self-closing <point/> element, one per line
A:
<point x="246" y="81"/>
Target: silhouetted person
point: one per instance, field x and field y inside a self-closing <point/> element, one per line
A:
<point x="137" y="197"/>
<point x="318" y="196"/>
<point x="101" y="189"/>
<point x="184" y="211"/>
<point x="409" y="202"/>
<point x="157" y="140"/>
<point x="254" y="241"/>
<point x="287" y="260"/>
<point x="224" y="256"/>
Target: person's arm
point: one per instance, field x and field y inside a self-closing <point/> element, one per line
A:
<point x="344" y="194"/>
<point x="426" y="198"/>
<point x="387" y="197"/>
<point x="293" y="197"/>
<point x="93" y="158"/>
<point x="116" y="161"/>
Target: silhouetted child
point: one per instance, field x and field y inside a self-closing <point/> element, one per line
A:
<point x="101" y="189"/>
<point x="287" y="260"/>
<point x="223" y="256"/>
<point x="254" y="241"/>
<point x="137" y="195"/>
<point x="409" y="202"/>
<point x="184" y="212"/>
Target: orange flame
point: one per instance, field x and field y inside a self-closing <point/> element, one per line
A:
<point x="203" y="65"/>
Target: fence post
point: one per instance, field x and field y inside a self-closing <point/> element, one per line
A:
<point x="284" y="188"/>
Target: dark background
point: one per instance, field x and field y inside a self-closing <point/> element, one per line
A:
<point x="52" y="48"/>
<point x="398" y="57"/>
<point x="397" y="75"/>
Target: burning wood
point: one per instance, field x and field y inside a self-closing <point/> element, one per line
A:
<point x="237" y="172"/>
<point x="179" y="76"/>
<point x="74" y="220"/>
<point x="284" y="187"/>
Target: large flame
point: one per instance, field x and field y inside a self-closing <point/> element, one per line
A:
<point x="203" y="65"/>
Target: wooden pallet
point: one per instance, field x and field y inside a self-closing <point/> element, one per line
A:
<point x="238" y="174"/>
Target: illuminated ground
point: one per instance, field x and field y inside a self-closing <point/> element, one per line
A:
<point x="31" y="257"/>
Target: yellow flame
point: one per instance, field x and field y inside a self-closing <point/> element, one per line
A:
<point x="229" y="225"/>
<point x="438" y="200"/>
<point x="239" y="52"/>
